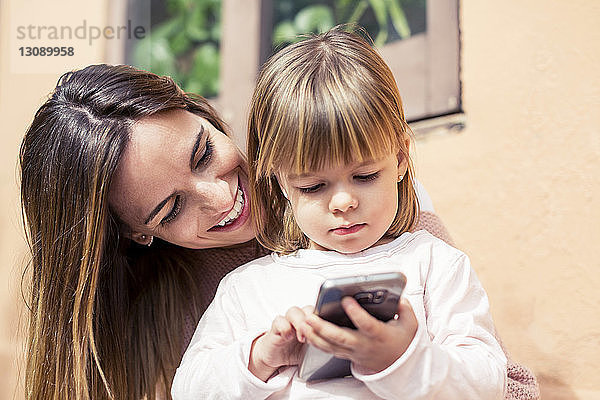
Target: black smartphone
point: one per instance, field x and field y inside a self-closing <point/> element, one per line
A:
<point x="379" y="294"/>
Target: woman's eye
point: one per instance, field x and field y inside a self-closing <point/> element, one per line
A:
<point x="174" y="211"/>
<point x="367" y="177"/>
<point x="311" y="189"/>
<point x="208" y="151"/>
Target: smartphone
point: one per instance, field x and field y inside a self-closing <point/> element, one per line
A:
<point x="379" y="294"/>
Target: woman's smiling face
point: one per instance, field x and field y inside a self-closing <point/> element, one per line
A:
<point x="182" y="180"/>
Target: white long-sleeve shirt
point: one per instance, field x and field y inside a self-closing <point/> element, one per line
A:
<point x="454" y="354"/>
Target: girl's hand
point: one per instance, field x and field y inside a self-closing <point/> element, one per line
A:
<point x="280" y="346"/>
<point x="374" y="345"/>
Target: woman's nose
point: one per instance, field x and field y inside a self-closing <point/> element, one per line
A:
<point x="214" y="196"/>
<point x="342" y="201"/>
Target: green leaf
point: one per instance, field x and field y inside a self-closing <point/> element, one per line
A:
<point x="215" y="31"/>
<point x="195" y="25"/>
<point x="284" y="32"/>
<point x="179" y="43"/>
<point x="318" y="18"/>
<point x="381" y="15"/>
<point x="358" y="12"/>
<point x="204" y="75"/>
<point x="342" y="9"/>
<point x="168" y="28"/>
<point x="205" y="4"/>
<point x="162" y="61"/>
<point x="142" y="52"/>
<point x="177" y="6"/>
<point x="185" y="46"/>
<point x="398" y="17"/>
<point x="193" y="85"/>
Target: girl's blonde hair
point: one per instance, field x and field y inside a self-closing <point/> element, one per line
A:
<point x="328" y="99"/>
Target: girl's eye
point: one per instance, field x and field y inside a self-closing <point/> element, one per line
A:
<point x="311" y="189"/>
<point x="174" y="211"/>
<point x="208" y="151"/>
<point x="368" y="177"/>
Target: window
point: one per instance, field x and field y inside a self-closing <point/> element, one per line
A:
<point x="184" y="42"/>
<point x="419" y="39"/>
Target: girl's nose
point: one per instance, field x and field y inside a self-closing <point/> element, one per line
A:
<point x="342" y="201"/>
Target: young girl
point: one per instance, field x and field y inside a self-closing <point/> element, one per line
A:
<point x="332" y="194"/>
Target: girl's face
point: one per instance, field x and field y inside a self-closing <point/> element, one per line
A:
<point x="182" y="180"/>
<point x="347" y="207"/>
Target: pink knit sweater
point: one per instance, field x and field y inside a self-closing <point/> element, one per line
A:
<point x="522" y="384"/>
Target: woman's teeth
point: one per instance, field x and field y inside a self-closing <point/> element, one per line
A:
<point x="235" y="211"/>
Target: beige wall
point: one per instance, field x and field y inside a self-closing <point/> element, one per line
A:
<point x="519" y="187"/>
<point x="24" y="85"/>
<point x="516" y="188"/>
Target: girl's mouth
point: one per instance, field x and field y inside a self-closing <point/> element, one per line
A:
<point x="346" y="230"/>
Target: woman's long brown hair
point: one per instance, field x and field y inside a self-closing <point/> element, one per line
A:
<point x="104" y="312"/>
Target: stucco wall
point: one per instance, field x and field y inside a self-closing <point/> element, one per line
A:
<point x="24" y="86"/>
<point x="519" y="187"/>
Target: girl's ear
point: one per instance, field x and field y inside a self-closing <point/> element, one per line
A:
<point x="403" y="160"/>
<point x="402" y="166"/>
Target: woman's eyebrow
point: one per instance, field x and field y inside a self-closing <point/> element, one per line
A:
<point x="157" y="209"/>
<point x="196" y="146"/>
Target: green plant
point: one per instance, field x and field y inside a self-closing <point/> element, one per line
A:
<point x="321" y="17"/>
<point x="185" y="46"/>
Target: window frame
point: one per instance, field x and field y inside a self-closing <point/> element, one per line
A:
<point x="426" y="66"/>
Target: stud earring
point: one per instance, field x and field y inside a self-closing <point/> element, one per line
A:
<point x="400" y="178"/>
<point x="145" y="237"/>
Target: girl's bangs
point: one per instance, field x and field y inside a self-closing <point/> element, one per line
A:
<point x="339" y="128"/>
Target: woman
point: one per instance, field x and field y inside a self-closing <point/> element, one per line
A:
<point x="117" y="160"/>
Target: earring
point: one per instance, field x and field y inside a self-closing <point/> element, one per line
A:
<point x="400" y="178"/>
<point x="145" y="237"/>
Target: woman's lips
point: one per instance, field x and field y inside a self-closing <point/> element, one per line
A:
<point x="241" y="219"/>
<point x="347" y="230"/>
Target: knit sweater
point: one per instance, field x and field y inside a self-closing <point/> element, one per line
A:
<point x="521" y="383"/>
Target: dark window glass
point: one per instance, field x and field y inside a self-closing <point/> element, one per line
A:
<point x="419" y="40"/>
<point x="385" y="20"/>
